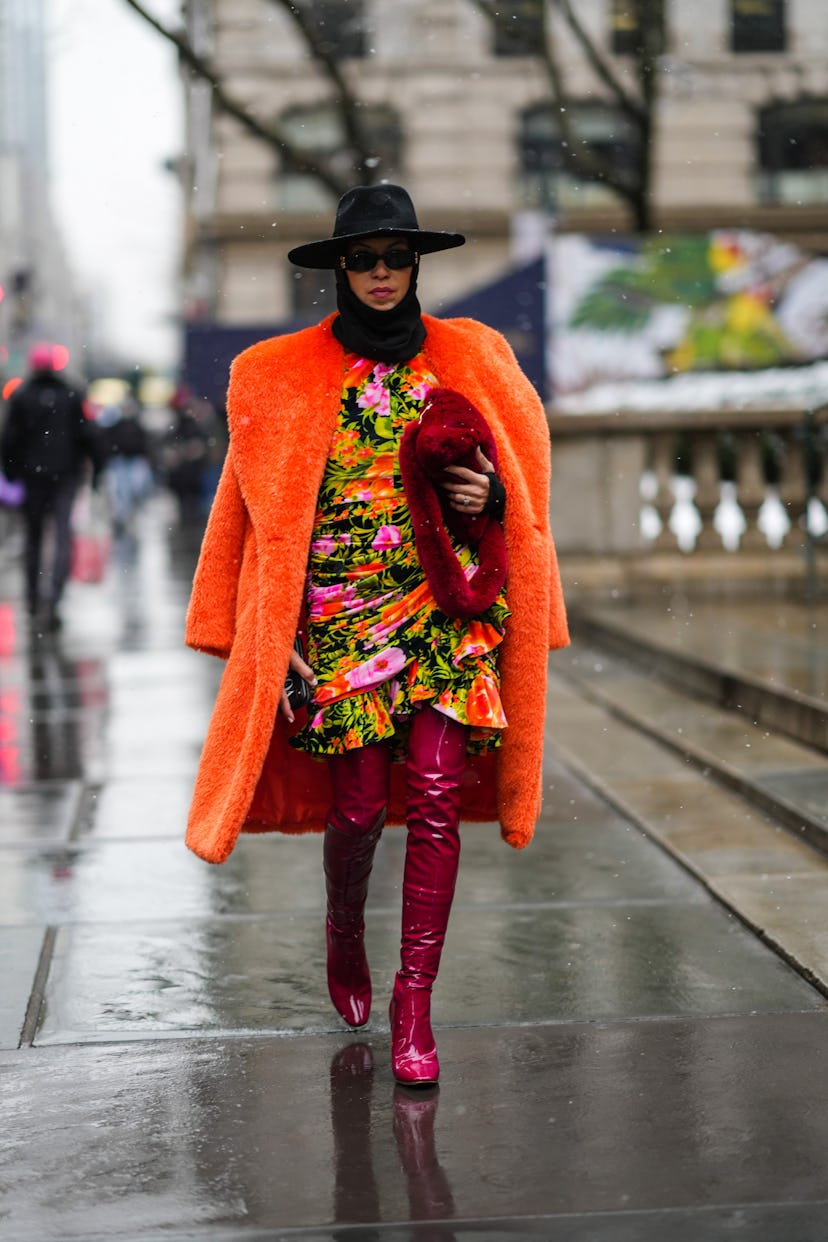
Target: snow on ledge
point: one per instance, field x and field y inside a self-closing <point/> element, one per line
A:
<point x="780" y="387"/>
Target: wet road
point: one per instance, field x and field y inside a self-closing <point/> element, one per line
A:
<point x="622" y="1060"/>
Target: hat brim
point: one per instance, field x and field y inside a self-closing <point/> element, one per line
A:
<point x="324" y="255"/>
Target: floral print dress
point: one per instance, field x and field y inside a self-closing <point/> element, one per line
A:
<point x="378" y="643"/>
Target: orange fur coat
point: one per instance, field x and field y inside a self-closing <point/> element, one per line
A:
<point x="247" y="596"/>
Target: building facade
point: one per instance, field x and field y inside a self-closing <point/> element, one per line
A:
<point x="461" y="112"/>
<point x="38" y="298"/>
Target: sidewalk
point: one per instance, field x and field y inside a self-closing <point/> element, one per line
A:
<point x="623" y="1060"/>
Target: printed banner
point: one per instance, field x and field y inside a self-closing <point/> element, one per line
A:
<point x="729" y="300"/>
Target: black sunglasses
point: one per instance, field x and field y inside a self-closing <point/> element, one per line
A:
<point x="367" y="260"/>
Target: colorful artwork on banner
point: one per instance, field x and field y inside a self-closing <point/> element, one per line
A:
<point x="662" y="306"/>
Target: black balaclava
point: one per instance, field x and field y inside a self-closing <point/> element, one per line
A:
<point x="395" y="335"/>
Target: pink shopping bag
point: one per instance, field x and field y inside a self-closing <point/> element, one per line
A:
<point x="91" y="539"/>
<point x="90" y="556"/>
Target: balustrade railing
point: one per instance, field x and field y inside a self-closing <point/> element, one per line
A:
<point x="696" y="484"/>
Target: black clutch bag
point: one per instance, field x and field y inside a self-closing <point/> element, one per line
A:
<point x="298" y="690"/>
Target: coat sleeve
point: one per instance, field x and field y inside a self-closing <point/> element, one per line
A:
<point x="558" y="624"/>
<point x="211" y="616"/>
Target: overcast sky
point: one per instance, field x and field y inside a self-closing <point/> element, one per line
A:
<point x="115" y="116"/>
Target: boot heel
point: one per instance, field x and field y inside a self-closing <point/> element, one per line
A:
<point x="414" y="1059"/>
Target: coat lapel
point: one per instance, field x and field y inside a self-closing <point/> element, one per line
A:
<point x="282" y="411"/>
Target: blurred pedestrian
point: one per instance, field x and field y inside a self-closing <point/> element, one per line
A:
<point x="185" y="455"/>
<point x="214" y="426"/>
<point x="127" y="471"/>
<point x="46" y="442"/>
<point x="418" y="658"/>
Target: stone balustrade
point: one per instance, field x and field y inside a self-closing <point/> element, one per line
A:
<point x="705" y="496"/>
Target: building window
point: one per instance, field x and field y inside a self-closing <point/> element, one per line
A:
<point x="625" y="34"/>
<point x="518" y="28"/>
<point x="793" y="153"/>
<point x="757" y="25"/>
<point x="340" y="27"/>
<point x="626" y="29"/>
<point x="318" y="130"/>
<point x="547" y="180"/>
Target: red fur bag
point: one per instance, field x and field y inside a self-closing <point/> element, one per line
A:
<point x="448" y="433"/>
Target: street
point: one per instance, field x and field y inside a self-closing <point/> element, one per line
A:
<point x="623" y="1059"/>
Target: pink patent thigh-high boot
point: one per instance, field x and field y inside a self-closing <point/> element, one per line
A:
<point x="436" y="762"/>
<point x="359" y="784"/>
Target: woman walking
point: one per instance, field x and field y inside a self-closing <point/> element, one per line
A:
<point x="423" y="712"/>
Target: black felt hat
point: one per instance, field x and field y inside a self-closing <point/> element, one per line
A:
<point x="372" y="211"/>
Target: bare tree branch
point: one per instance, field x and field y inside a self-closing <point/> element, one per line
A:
<point x="271" y="134"/>
<point x="603" y="70"/>
<point x="629" y="180"/>
<point x="345" y="99"/>
<point x="578" y="154"/>
<point x="651" y="26"/>
<point x="631" y="176"/>
<point x="651" y="22"/>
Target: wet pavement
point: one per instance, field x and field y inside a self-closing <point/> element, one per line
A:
<point x="623" y="1059"/>
<point x="780" y="642"/>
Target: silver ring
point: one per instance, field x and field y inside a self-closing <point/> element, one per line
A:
<point x="465" y="500"/>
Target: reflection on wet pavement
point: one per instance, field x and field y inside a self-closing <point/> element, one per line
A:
<point x="612" y="1119"/>
<point x="429" y="1189"/>
<point x="622" y="1060"/>
<point x="356" y="1197"/>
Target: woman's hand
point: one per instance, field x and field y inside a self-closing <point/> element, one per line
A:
<point x="304" y="670"/>
<point x="471" y="491"/>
